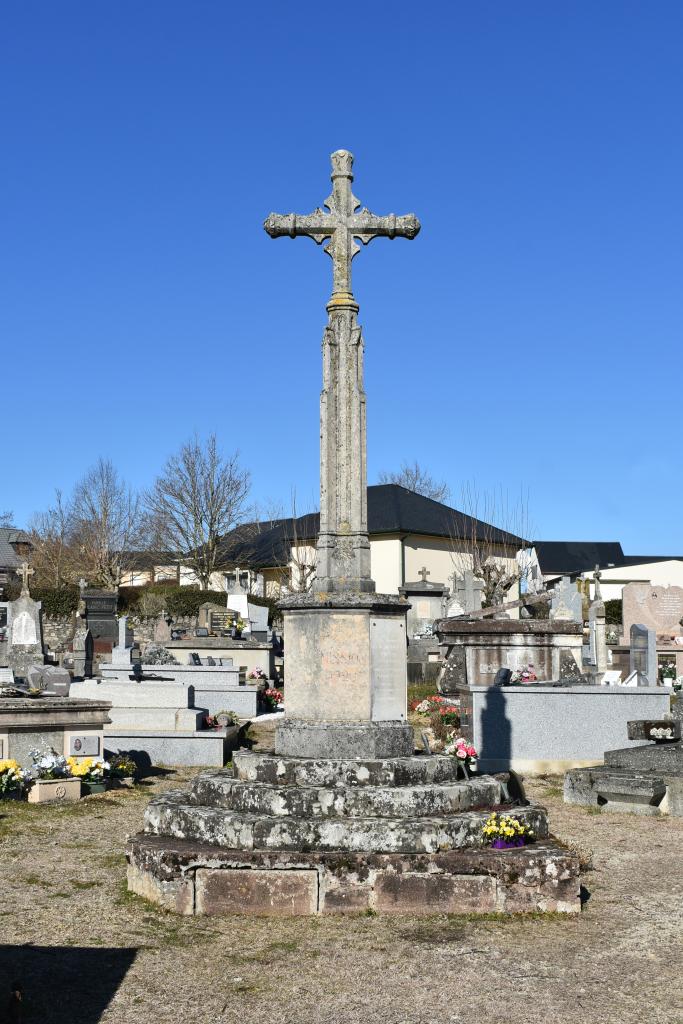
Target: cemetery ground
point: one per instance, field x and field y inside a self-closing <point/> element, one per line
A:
<point x="86" y="950"/>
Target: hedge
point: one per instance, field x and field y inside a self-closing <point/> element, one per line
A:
<point x="177" y="600"/>
<point x="58" y="602"/>
<point x="613" y="611"/>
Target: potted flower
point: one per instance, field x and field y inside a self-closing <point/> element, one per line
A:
<point x="122" y="771"/>
<point x="669" y="673"/>
<point x="273" y="699"/>
<point x="237" y="627"/>
<point x="51" y="778"/>
<point x="256" y="675"/>
<point x="503" y="832"/>
<point x="12" y="780"/>
<point x="92" y="771"/>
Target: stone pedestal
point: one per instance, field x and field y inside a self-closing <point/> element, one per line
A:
<point x="345" y="676"/>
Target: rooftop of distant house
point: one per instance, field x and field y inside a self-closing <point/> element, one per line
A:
<point x="572" y="557"/>
<point x="392" y="509"/>
<point x="10" y="536"/>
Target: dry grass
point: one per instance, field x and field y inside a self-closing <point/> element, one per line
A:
<point x="86" y="950"/>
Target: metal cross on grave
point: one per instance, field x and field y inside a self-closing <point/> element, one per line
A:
<point x="424" y="573"/>
<point x="25" y="572"/>
<point x="342" y="225"/>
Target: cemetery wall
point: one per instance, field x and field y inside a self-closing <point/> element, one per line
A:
<point x="58" y="631"/>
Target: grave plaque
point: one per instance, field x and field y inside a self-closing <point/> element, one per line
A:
<point x="84" y="745"/>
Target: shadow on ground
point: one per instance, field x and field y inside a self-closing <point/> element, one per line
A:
<point x="60" y="984"/>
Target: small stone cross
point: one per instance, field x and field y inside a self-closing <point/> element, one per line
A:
<point x="424" y="573"/>
<point x="25" y="572"/>
<point x="82" y="584"/>
<point x="597" y="576"/>
<point x="342" y="225"/>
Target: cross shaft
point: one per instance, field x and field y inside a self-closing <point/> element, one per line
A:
<point x="342" y="225"/>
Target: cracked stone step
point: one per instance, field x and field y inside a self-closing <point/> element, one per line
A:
<point x="219" y="789"/>
<point x="173" y="815"/>
<point x="302" y="771"/>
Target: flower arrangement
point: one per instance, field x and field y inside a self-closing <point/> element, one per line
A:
<point x="122" y="766"/>
<point x="12" y="777"/>
<point x="436" y="705"/>
<point x="48" y="764"/>
<point x="157" y="654"/>
<point x="525" y="675"/>
<point x="239" y="624"/>
<point x="221" y="719"/>
<point x="88" y="769"/>
<point x="257" y="673"/>
<point x="503" y="832"/>
<point x="464" y="751"/>
<point x="273" y="698"/>
<point x="669" y="670"/>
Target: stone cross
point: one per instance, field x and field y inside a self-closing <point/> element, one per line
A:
<point x="82" y="584"/>
<point x="424" y="573"/>
<point x="25" y="572"/>
<point x="342" y="225"/>
<point x="597" y="576"/>
<point x="343" y="548"/>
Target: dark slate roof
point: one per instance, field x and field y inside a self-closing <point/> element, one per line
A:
<point x="9" y="535"/>
<point x="644" y="559"/>
<point x="567" y="557"/>
<point x="391" y="509"/>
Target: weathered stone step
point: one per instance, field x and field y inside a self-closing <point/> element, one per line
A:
<point x="196" y="878"/>
<point x="219" y="789"/>
<point x="617" y="789"/>
<point x="304" y="771"/>
<point x="654" y="757"/>
<point x="173" y="815"/>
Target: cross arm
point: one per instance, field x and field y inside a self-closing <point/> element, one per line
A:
<point x="366" y="226"/>
<point x="317" y="225"/>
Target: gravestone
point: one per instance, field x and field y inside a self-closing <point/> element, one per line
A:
<point x="162" y="629"/>
<point x="25" y="633"/>
<point x="258" y="617"/>
<point x="567" y="602"/>
<point x="121" y="654"/>
<point x="644" y="654"/>
<point x="468" y="591"/>
<point x="428" y="602"/>
<point x="100" y="614"/>
<point x="658" y="608"/>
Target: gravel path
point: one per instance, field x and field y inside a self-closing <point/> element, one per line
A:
<point x="86" y="951"/>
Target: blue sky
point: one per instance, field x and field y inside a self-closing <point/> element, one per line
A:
<point x="529" y="337"/>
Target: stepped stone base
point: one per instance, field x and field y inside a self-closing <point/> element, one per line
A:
<point x="198" y="878"/>
<point x="278" y="835"/>
<point x="295" y="738"/>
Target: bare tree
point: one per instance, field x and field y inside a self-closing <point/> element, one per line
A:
<point x="199" y="497"/>
<point x="491" y="537"/>
<point x="6" y="518"/>
<point x="52" y="536"/>
<point x="107" y="524"/>
<point x="417" y="479"/>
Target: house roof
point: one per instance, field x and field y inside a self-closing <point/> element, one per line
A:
<point x="9" y="535"/>
<point x="391" y="509"/>
<point x="569" y="557"/>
